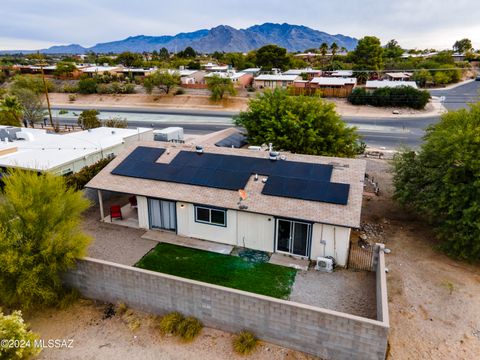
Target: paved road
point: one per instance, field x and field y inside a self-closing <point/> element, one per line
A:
<point x="459" y="97"/>
<point x="389" y="133"/>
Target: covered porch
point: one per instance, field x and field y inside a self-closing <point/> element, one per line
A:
<point x="121" y="210"/>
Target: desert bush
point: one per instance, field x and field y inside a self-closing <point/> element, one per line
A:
<point x="189" y="328"/>
<point x="121" y="308"/>
<point x="403" y="96"/>
<point x="169" y="324"/>
<point x="244" y="342"/>
<point x="180" y="91"/>
<point x="78" y="180"/>
<point x="12" y="327"/>
<point x="72" y="97"/>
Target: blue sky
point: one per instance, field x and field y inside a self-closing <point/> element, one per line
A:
<point x="33" y="24"/>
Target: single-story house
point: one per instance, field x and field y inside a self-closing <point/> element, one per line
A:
<point x="35" y="149"/>
<point x="334" y="86"/>
<point x="189" y="77"/>
<point x="273" y="81"/>
<point x="100" y="70"/>
<point x="252" y="71"/>
<point x="211" y="67"/>
<point x="135" y="72"/>
<point x="398" y="76"/>
<point x="339" y="73"/>
<point x="300" y="205"/>
<point x="377" y="84"/>
<point x="239" y="79"/>
<point x="309" y="72"/>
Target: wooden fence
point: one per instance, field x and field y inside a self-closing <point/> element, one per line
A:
<point x="361" y="256"/>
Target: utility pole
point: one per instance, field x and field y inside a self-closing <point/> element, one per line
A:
<point x="48" y="99"/>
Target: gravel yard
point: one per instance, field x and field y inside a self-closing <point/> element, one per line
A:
<point x="348" y="291"/>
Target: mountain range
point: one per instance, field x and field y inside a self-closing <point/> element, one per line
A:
<point x="221" y="38"/>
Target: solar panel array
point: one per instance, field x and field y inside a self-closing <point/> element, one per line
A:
<point x="291" y="179"/>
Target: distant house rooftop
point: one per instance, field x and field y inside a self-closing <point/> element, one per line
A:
<point x="100" y="69"/>
<point x="276" y="77"/>
<point x="341" y="73"/>
<point x="302" y="71"/>
<point x="333" y="81"/>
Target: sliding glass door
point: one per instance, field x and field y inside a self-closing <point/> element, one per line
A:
<point x="162" y="214"/>
<point x="293" y="237"/>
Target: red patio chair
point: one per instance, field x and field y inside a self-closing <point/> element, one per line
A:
<point x="133" y="201"/>
<point x="115" y="212"/>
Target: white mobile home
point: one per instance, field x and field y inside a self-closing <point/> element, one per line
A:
<point x="300" y="205"/>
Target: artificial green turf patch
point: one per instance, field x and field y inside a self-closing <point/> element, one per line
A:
<point x="225" y="270"/>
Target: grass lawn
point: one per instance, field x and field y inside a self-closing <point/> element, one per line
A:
<point x="225" y="270"/>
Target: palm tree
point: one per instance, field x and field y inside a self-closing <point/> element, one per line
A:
<point x="334" y="49"/>
<point x="12" y="111"/>
<point x="324" y="49"/>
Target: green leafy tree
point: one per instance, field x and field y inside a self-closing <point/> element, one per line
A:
<point x="12" y="327"/>
<point x="324" y="49"/>
<point x="299" y="124"/>
<point x="31" y="82"/>
<point x="334" y="49"/>
<point x="32" y="105"/>
<point x="163" y="80"/>
<point x="163" y="53"/>
<point x="441" y="181"/>
<point x="87" y="85"/>
<point x="422" y="77"/>
<point x="463" y="46"/>
<point x="130" y="59"/>
<point x="392" y="50"/>
<point x="219" y="87"/>
<point x="441" y="78"/>
<point x="11" y="111"/>
<point x="40" y="238"/>
<point x="272" y="56"/>
<point x="189" y="52"/>
<point x="368" y="55"/>
<point x="65" y="68"/>
<point x="88" y="119"/>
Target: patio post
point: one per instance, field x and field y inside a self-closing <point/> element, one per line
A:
<point x="100" y="202"/>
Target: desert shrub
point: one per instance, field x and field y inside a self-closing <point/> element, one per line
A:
<point x="189" y="328"/>
<point x="121" y="308"/>
<point x="104" y="89"/>
<point x="80" y="179"/>
<point x="72" y="97"/>
<point x="169" y="324"/>
<point x="244" y="342"/>
<point x="116" y="122"/>
<point x="12" y="327"/>
<point x="403" y="96"/>
<point x="70" y="89"/>
<point x="87" y="86"/>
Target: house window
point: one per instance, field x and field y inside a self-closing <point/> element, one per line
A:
<point x="210" y="216"/>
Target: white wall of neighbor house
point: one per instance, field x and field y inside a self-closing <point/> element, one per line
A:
<point x="187" y="226"/>
<point x="142" y="211"/>
<point x="337" y="239"/>
<point x="256" y="231"/>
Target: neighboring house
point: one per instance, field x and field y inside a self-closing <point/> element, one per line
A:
<point x="398" y="76"/>
<point x="135" y="72"/>
<point x="300" y="205"/>
<point x="377" y="84"/>
<point x="100" y="70"/>
<point x="239" y="79"/>
<point x="252" y="71"/>
<point x="35" y="149"/>
<point x="458" y="57"/>
<point x="309" y="73"/>
<point x="189" y="77"/>
<point x="334" y="86"/>
<point x="211" y="67"/>
<point x="339" y="73"/>
<point x="273" y="81"/>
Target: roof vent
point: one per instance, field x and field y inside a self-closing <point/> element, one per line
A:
<point x="274" y="155"/>
<point x="199" y="149"/>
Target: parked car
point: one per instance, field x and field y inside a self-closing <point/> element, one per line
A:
<point x="477" y="78"/>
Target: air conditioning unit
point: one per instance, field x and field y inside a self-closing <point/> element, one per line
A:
<point x="324" y="264"/>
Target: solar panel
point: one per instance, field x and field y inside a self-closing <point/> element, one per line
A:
<point x="313" y="190"/>
<point x="293" y="179"/>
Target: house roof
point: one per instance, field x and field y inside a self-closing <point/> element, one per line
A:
<point x="334" y="81"/>
<point x="399" y="75"/>
<point x="376" y="84"/>
<point x="228" y="75"/>
<point x="301" y="71"/>
<point x="343" y="171"/>
<point x="341" y="73"/>
<point x="45" y="151"/>
<point x="94" y="69"/>
<point x="277" y="77"/>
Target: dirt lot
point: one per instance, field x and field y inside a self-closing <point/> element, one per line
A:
<point x="434" y="301"/>
<point x="112" y="338"/>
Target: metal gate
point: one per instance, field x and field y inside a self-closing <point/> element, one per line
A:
<point x="361" y="256"/>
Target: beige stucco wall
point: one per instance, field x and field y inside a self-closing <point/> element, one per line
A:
<point x="142" y="204"/>
<point x="256" y="231"/>
<point x="187" y="226"/>
<point x="337" y="240"/>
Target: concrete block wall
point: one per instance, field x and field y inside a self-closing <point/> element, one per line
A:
<point x="320" y="332"/>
